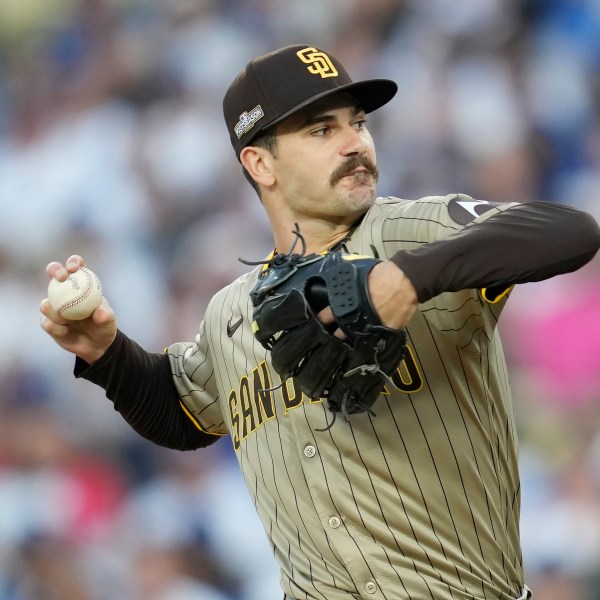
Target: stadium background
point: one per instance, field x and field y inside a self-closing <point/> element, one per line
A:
<point x="112" y="146"/>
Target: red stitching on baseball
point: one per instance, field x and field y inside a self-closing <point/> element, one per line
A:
<point x="88" y="284"/>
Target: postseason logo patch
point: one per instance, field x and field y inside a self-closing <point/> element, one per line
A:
<point x="463" y="209"/>
<point x="247" y="120"/>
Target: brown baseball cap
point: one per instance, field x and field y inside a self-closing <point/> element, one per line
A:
<point x="277" y="84"/>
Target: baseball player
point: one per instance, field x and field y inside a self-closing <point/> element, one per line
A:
<point x="418" y="496"/>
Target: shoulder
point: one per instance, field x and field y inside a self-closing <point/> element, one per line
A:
<point x="419" y="219"/>
<point x="238" y="287"/>
<point x="395" y="202"/>
<point x="231" y="301"/>
<point x="394" y="224"/>
<point x="427" y="207"/>
<point x="427" y="204"/>
<point x="450" y="211"/>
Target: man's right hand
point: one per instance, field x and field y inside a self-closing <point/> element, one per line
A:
<point x="90" y="338"/>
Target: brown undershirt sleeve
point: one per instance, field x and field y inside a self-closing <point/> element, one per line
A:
<point x="141" y="387"/>
<point x="528" y="242"/>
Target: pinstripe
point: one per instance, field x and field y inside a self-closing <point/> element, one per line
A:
<point x="398" y="487"/>
<point x="502" y="491"/>
<point x="451" y="310"/>
<point x="328" y="539"/>
<point x="354" y="492"/>
<point x="464" y="488"/>
<point x="487" y="498"/>
<point x="380" y="504"/>
<point x="484" y="489"/>
<point x="335" y="506"/>
<point x="281" y="498"/>
<point x="464" y="324"/>
<point x="306" y="530"/>
<point x="442" y="486"/>
<point x="178" y="374"/>
<point x="412" y="528"/>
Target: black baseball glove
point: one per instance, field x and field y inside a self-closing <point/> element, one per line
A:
<point x="349" y="373"/>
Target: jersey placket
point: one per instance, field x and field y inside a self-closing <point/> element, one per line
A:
<point x="329" y="503"/>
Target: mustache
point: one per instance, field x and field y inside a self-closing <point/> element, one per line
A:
<point x="352" y="163"/>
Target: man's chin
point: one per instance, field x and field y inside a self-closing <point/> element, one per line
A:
<point x="361" y="198"/>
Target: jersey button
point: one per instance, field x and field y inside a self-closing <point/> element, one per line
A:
<point x="334" y="522"/>
<point x="309" y="451"/>
<point x="370" y="587"/>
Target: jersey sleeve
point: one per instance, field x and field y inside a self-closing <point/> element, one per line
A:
<point x="194" y="377"/>
<point x="409" y="225"/>
<point x="469" y="315"/>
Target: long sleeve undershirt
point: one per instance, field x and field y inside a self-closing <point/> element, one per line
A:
<point x="140" y="385"/>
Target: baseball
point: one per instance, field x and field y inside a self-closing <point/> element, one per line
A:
<point x="77" y="297"/>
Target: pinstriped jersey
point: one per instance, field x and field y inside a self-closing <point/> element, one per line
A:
<point x="420" y="501"/>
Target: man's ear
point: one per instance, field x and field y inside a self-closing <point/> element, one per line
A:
<point x="258" y="162"/>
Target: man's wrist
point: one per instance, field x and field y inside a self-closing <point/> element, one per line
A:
<point x="85" y="362"/>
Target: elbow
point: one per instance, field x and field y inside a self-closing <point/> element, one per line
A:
<point x="576" y="230"/>
<point x="588" y="233"/>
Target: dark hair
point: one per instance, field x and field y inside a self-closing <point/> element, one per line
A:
<point x="265" y="139"/>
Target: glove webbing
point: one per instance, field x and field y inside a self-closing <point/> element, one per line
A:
<point x="372" y="369"/>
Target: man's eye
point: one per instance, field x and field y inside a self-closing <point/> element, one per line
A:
<point x="359" y="125"/>
<point x="321" y="131"/>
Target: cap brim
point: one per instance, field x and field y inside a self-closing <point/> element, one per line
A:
<point x="371" y="94"/>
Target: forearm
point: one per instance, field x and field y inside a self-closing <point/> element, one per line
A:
<point x="529" y="242"/>
<point x="140" y="385"/>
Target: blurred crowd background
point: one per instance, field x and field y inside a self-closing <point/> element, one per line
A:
<point x="112" y="146"/>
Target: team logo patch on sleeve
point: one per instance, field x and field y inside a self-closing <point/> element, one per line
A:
<point x="463" y="209"/>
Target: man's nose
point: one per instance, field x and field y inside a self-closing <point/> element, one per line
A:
<point x="353" y="142"/>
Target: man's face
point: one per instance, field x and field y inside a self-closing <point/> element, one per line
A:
<point x="325" y="161"/>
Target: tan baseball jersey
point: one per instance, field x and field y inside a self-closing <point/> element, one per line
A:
<point x="418" y="502"/>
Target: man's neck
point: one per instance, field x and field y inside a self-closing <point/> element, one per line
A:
<point x="318" y="236"/>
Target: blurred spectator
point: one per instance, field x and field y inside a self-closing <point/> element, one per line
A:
<point x="169" y="573"/>
<point x="48" y="570"/>
<point x="57" y="503"/>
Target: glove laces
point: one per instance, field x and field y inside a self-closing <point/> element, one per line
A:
<point x="372" y="369"/>
<point x="280" y="258"/>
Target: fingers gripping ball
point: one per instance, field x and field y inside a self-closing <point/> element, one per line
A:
<point x="78" y="296"/>
<point x="349" y="373"/>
